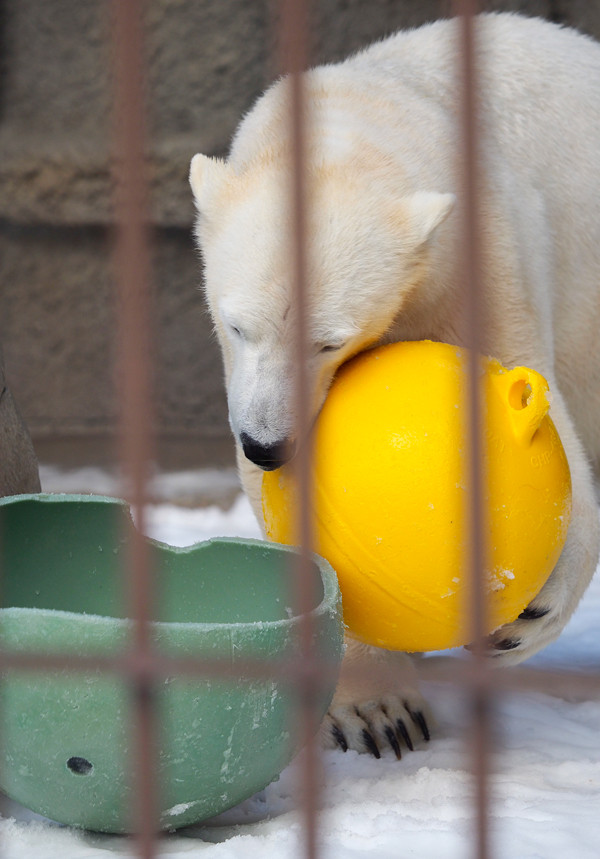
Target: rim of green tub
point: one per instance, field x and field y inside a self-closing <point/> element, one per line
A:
<point x="330" y="602"/>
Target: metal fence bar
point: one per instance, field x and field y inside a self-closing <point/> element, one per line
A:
<point x="132" y="256"/>
<point x="580" y="684"/>
<point x="473" y="322"/>
<point x="293" y="61"/>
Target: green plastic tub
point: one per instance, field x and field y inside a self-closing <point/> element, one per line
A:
<point x="66" y="742"/>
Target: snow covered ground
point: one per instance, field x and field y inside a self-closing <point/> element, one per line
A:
<point x="546" y="764"/>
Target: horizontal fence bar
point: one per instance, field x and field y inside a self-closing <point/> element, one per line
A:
<point x="465" y="674"/>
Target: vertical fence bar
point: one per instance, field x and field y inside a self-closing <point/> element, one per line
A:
<point x="294" y="60"/>
<point x="132" y="257"/>
<point x="472" y="333"/>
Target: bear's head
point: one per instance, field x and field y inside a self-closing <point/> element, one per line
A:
<point x="366" y="251"/>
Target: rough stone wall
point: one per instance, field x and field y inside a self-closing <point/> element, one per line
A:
<point x="207" y="62"/>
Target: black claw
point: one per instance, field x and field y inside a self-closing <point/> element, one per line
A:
<point x="419" y="720"/>
<point x="393" y="741"/>
<point x="370" y="744"/>
<point x="532" y="613"/>
<point x="339" y="737"/>
<point x="422" y="723"/>
<point x="506" y="643"/>
<point x="403" y="731"/>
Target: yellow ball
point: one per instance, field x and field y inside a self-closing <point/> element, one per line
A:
<point x="391" y="499"/>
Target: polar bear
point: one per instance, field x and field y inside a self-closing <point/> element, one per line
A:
<point x="384" y="265"/>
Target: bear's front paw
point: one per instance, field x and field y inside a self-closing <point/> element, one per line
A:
<point x="536" y="626"/>
<point x="372" y="726"/>
<point x="377" y="704"/>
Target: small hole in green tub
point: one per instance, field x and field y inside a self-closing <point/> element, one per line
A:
<point x="79" y="766"/>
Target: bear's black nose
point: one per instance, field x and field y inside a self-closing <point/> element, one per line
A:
<point x="267" y="456"/>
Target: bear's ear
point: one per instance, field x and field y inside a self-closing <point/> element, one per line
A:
<point x="420" y="214"/>
<point x="207" y="177"/>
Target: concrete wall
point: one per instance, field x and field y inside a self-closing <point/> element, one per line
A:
<point x="207" y="62"/>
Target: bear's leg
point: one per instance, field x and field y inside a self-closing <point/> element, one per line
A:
<point x="377" y="704"/>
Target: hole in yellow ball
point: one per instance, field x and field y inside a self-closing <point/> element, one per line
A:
<point x="520" y="394"/>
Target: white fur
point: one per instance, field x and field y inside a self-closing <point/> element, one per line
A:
<point x="384" y="251"/>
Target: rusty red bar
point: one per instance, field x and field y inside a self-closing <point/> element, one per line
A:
<point x="132" y="258"/>
<point x="580" y="684"/>
<point x="473" y="323"/>
<point x="294" y="39"/>
<point x="293" y="61"/>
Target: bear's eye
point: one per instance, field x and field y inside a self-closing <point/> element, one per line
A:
<point x="330" y="347"/>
